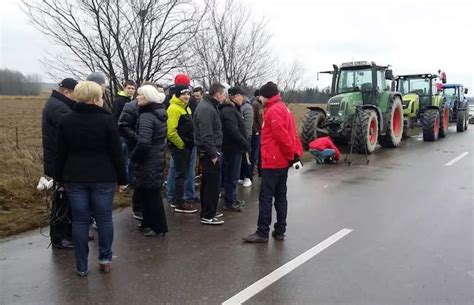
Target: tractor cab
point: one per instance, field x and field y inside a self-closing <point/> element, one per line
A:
<point x="418" y="91"/>
<point x="455" y="95"/>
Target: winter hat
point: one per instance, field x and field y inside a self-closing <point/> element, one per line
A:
<point x="269" y="90"/>
<point x="180" y="89"/>
<point x="151" y="94"/>
<point x="257" y="92"/>
<point x="68" y="83"/>
<point x="97" y="77"/>
<point x="182" y="79"/>
<point x="235" y="91"/>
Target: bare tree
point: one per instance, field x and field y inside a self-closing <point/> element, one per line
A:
<point x="15" y="83"/>
<point x="230" y="46"/>
<point x="126" y="39"/>
<point x="289" y="79"/>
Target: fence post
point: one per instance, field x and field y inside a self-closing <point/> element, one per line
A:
<point x="17" y="143"/>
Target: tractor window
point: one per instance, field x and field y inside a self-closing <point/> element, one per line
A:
<point x="354" y="80"/>
<point x="450" y="96"/>
<point x="381" y="81"/>
<point x="419" y="86"/>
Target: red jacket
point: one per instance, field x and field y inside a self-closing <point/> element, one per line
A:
<point x="280" y="141"/>
<point x="324" y="143"/>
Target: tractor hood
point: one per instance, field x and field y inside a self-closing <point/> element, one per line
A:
<point x="342" y="105"/>
<point x="409" y="98"/>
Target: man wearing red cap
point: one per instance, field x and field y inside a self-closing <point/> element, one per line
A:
<point x="280" y="149"/>
<point x="182" y="80"/>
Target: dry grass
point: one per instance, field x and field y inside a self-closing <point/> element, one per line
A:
<point x="22" y="207"/>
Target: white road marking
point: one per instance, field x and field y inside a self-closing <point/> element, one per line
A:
<point x="457" y="158"/>
<point x="271" y="278"/>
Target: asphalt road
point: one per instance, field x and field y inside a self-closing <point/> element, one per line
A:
<point x="410" y="241"/>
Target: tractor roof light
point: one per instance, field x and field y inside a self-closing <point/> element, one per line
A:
<point x="357" y="63"/>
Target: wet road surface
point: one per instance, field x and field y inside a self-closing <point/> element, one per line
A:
<point x="411" y="217"/>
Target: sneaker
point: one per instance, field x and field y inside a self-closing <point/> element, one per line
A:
<point x="138" y="215"/>
<point x="247" y="183"/>
<point x="278" y="236"/>
<point x="240" y="182"/>
<point x="241" y="203"/>
<point x="318" y="160"/>
<point x="234" y="207"/>
<point x="212" y="221"/>
<point x="81" y="273"/>
<point x="255" y="238"/>
<point x="186" y="208"/>
<point x="193" y="201"/>
<point x="172" y="204"/>
<point x="219" y="215"/>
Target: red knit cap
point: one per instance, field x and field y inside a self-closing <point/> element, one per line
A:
<point x="182" y="79"/>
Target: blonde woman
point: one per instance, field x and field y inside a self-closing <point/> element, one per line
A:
<point x="90" y="164"/>
<point x="149" y="158"/>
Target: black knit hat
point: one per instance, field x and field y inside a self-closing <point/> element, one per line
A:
<point x="269" y="90"/>
<point x="235" y="91"/>
<point x="68" y="83"/>
<point x="180" y="89"/>
<point x="257" y="92"/>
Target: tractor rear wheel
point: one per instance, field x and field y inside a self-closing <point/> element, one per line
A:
<point x="444" y="119"/>
<point x="311" y="121"/>
<point x="466" y="122"/>
<point x="430" y="123"/>
<point x="393" y="136"/>
<point x="366" y="131"/>
<point x="460" y="121"/>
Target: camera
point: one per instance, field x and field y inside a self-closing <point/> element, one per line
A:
<point x="297" y="165"/>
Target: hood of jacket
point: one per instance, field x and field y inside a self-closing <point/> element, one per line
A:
<point x="176" y="101"/>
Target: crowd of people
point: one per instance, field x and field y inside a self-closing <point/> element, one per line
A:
<point x="219" y="135"/>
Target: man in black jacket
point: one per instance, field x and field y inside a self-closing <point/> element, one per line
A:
<point x="124" y="96"/>
<point x="234" y="144"/>
<point x="127" y="125"/>
<point x="59" y="104"/>
<point x="208" y="139"/>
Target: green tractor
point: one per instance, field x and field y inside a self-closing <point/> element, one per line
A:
<point x="424" y="105"/>
<point x="362" y="110"/>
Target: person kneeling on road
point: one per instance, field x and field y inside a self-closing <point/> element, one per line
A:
<point x="324" y="150"/>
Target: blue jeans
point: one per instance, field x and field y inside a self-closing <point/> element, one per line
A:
<point x="324" y="154"/>
<point x="83" y="199"/>
<point x="255" y="153"/>
<point x="189" y="187"/>
<point x="232" y="164"/>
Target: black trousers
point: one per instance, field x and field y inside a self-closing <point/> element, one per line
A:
<point x="181" y="159"/>
<point x="210" y="186"/>
<point x="153" y="211"/>
<point x="273" y="187"/>
<point x="136" y="205"/>
<point x="60" y="224"/>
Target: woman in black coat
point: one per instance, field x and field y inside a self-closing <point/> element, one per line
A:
<point x="149" y="158"/>
<point x="90" y="164"/>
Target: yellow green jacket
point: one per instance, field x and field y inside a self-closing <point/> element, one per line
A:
<point x="180" y="124"/>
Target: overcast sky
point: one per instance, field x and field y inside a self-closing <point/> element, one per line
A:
<point x="414" y="36"/>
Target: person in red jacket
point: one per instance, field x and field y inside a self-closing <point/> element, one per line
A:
<point x="324" y="150"/>
<point x="280" y="149"/>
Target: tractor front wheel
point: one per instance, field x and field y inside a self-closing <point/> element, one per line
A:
<point x="366" y="132"/>
<point x="311" y="121"/>
<point x="460" y="121"/>
<point x="393" y="136"/>
<point x="430" y="125"/>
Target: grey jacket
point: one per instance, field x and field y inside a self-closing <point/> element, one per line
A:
<point x="247" y="112"/>
<point x="207" y="127"/>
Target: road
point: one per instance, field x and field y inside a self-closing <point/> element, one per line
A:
<point x="409" y="240"/>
